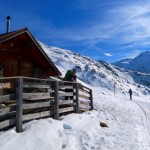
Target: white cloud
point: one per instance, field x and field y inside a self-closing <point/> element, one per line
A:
<point x="107" y="54"/>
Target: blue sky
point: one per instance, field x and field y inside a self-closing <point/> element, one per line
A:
<point x="101" y="29"/>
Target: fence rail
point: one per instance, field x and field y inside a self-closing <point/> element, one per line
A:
<point x="23" y="99"/>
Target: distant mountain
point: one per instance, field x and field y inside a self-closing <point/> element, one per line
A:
<point x="97" y="74"/>
<point x="139" y="63"/>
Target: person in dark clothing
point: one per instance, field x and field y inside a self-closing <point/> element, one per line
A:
<point x="70" y="76"/>
<point x="73" y="76"/>
<point x="130" y="94"/>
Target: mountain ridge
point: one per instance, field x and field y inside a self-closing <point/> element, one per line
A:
<point x="97" y="74"/>
<point x="139" y="63"/>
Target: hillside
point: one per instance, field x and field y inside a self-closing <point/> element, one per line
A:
<point x="99" y="74"/>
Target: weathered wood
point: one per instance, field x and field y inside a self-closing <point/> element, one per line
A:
<point x="19" y="101"/>
<point x="31" y="95"/>
<point x="7" y="116"/>
<point x="84" y="102"/>
<point x="38" y="105"/>
<point x="67" y="109"/>
<point x="66" y="87"/>
<point x="84" y="93"/>
<point x="39" y="98"/>
<point x="63" y="102"/>
<point x="91" y="98"/>
<point x="36" y="85"/>
<point x="7" y="109"/>
<point x="83" y="96"/>
<point x="8" y="97"/>
<point x="7" y="123"/>
<point x="65" y="93"/>
<point x="56" y="100"/>
<point x="84" y="87"/>
<point x="76" y="95"/>
<point x="38" y="115"/>
<point x="83" y="109"/>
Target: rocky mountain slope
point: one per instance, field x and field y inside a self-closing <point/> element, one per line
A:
<point x="139" y="63"/>
<point x="98" y="74"/>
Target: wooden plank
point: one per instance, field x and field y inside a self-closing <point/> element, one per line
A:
<point x="91" y="97"/>
<point x="76" y="95"/>
<point x="83" y="96"/>
<point x="84" y="93"/>
<point x="38" y="105"/>
<point x="65" y="93"/>
<point x="30" y="95"/>
<point x="8" y="97"/>
<point x="7" y="115"/>
<point x="63" y="102"/>
<point x="84" y="106"/>
<point x="84" y="100"/>
<point x="83" y="109"/>
<point x="56" y="100"/>
<point x="84" y="103"/>
<point x="36" y="85"/>
<point x="67" y="109"/>
<point x="38" y="115"/>
<point x="7" y="123"/>
<point x="39" y="98"/>
<point x="19" y="101"/>
<point x="84" y="87"/>
<point x="7" y="109"/>
<point x="66" y="87"/>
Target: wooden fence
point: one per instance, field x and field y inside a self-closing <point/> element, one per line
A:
<point x="23" y="99"/>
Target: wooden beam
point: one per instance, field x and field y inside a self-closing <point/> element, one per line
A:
<point x="65" y="93"/>
<point x="7" y="123"/>
<point x="38" y="105"/>
<point x="38" y="85"/>
<point x="37" y="115"/>
<point x="7" y="109"/>
<point x="76" y="95"/>
<point x="67" y="109"/>
<point x="63" y="102"/>
<point x="19" y="109"/>
<point x="91" y="98"/>
<point x="56" y="100"/>
<point x="8" y="97"/>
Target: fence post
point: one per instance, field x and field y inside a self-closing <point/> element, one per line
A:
<point x="76" y="94"/>
<point x="19" y="102"/>
<point x="56" y="100"/>
<point x="91" y="98"/>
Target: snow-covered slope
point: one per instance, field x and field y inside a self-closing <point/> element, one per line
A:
<point x="98" y="74"/>
<point x="139" y="63"/>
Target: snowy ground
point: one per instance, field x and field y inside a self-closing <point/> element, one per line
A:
<point x="128" y="127"/>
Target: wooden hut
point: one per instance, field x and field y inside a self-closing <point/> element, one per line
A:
<point x="21" y="55"/>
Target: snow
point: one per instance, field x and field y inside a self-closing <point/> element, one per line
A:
<point x="128" y="121"/>
<point x="138" y="63"/>
<point x="128" y="128"/>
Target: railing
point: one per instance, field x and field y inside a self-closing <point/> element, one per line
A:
<point x="23" y="99"/>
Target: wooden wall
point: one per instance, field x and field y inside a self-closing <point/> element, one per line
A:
<point x="21" y="57"/>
